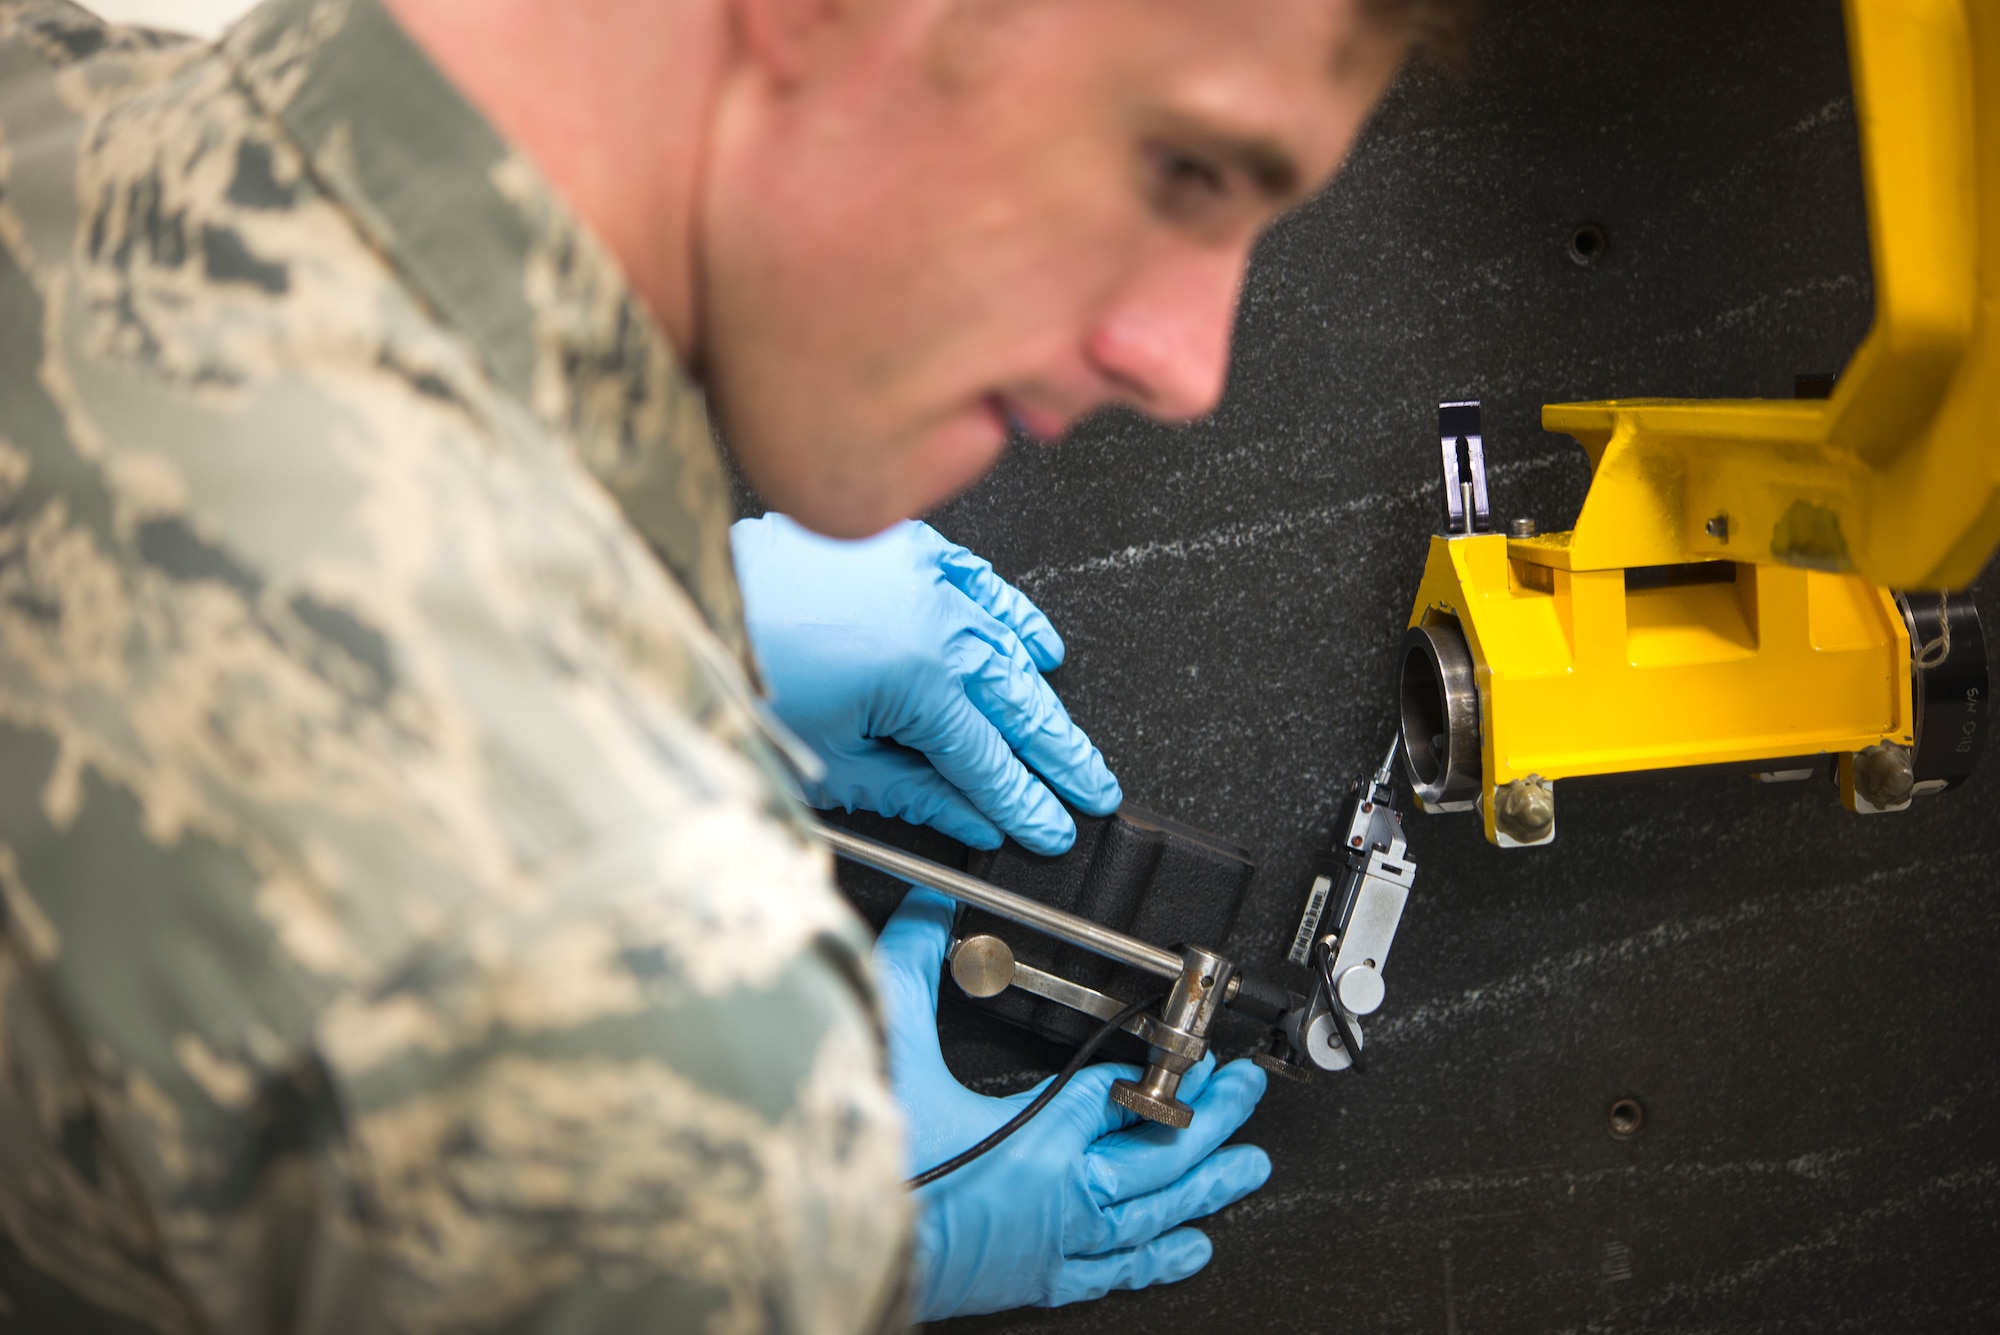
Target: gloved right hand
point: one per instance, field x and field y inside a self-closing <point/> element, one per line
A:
<point x="1084" y="1198"/>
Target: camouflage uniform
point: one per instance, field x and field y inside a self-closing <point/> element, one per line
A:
<point x="405" y="925"/>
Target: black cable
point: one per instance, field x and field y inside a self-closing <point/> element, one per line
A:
<point x="1041" y="1101"/>
<point x="1347" y="1038"/>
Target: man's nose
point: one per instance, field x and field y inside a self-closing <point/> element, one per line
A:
<point x="1164" y="339"/>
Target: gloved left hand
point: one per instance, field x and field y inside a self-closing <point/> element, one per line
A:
<point x="915" y="673"/>
<point x="1082" y="1199"/>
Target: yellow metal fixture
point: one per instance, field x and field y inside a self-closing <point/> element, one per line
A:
<point x="1896" y="476"/>
<point x="1724" y="597"/>
<point x="1519" y="671"/>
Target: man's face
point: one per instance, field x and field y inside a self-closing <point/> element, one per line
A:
<point x="957" y="217"/>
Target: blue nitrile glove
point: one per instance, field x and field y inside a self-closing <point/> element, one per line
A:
<point x="915" y="673"/>
<point x="1084" y="1198"/>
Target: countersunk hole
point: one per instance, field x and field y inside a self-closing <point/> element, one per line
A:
<point x="1588" y="243"/>
<point x="1627" y="1116"/>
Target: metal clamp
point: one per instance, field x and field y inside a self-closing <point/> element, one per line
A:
<point x="1177" y="1038"/>
<point x="1348" y="950"/>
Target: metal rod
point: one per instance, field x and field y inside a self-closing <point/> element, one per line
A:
<point x="1017" y="908"/>
<point x="1387" y="774"/>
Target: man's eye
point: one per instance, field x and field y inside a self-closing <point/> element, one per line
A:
<point x="1183" y="182"/>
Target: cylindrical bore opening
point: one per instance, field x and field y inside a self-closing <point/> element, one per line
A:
<point x="1426" y="734"/>
<point x="1438" y="711"/>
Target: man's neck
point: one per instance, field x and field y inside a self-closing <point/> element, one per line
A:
<point x="611" y="100"/>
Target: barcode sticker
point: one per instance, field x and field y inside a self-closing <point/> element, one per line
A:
<point x="1301" y="951"/>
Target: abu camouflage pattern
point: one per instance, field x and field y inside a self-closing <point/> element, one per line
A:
<point x="403" y="922"/>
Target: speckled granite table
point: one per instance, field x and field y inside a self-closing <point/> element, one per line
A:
<point x="1803" y="1000"/>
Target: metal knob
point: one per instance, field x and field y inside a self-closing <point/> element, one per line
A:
<point x="1322" y="1045"/>
<point x="1274" y="1061"/>
<point x="982" y="966"/>
<point x="1152" y="1097"/>
<point x="1361" y="989"/>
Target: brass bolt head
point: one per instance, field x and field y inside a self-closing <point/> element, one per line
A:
<point x="1524" y="810"/>
<point x="1884" y="774"/>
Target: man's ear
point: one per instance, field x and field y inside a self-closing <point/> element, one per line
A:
<point x="782" y="37"/>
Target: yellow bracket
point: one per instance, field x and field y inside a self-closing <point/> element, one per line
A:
<point x="1579" y="675"/>
<point x="1897" y="476"/>
<point x="1724" y="597"/>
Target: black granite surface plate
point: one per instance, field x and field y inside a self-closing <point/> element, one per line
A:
<point x="1802" y="1000"/>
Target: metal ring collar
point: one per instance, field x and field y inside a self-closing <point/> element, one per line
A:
<point x="1439" y="703"/>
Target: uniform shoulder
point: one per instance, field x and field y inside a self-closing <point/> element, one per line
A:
<point x="64" y="34"/>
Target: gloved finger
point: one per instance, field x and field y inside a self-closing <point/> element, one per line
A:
<point x="970" y="753"/>
<point x="906" y="962"/>
<point x="909" y="953"/>
<point x="1092" y="1086"/>
<point x="945" y="1117"/>
<point x="900" y="783"/>
<point x="1085" y="1101"/>
<point x="1197" y="1077"/>
<point x="1223" y="1178"/>
<point x="1142" y="1159"/>
<point x="1097" y="1116"/>
<point x="1166" y="1260"/>
<point x="1022" y="705"/>
<point x="973" y="576"/>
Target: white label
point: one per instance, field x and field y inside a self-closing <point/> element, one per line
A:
<point x="1301" y="951"/>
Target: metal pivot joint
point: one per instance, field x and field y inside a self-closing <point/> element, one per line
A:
<point x="1464" y="453"/>
<point x="1178" y="1040"/>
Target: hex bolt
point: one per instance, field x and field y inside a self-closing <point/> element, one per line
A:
<point x="1884" y="775"/>
<point x="1521" y="528"/>
<point x="1524" y="810"/>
